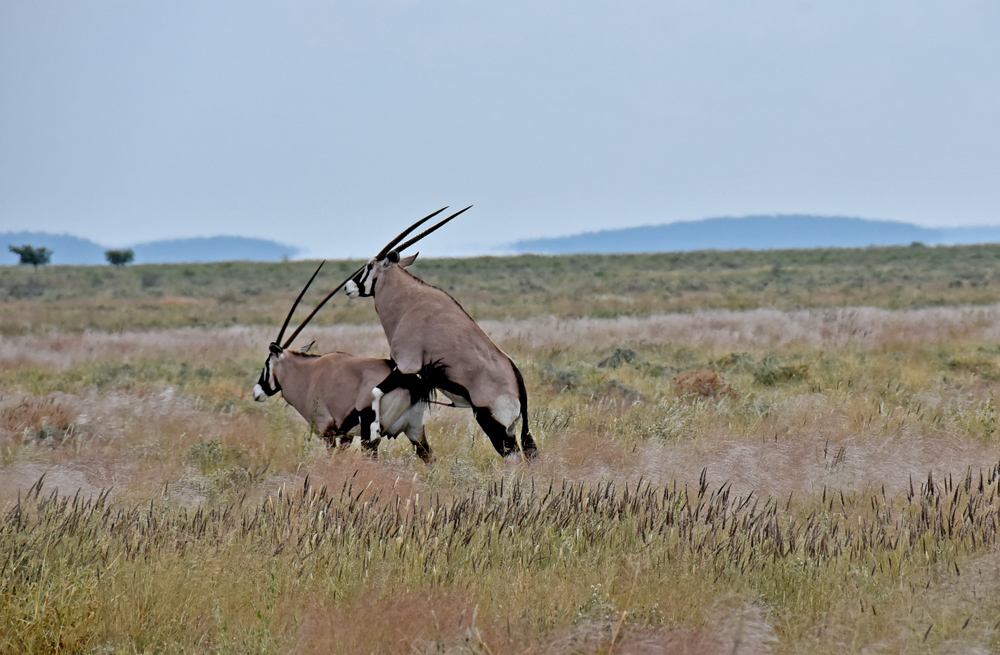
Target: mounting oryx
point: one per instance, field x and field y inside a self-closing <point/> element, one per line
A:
<point x="333" y="392"/>
<point x="431" y="335"/>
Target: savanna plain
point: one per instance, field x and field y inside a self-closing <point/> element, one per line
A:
<point x="740" y="452"/>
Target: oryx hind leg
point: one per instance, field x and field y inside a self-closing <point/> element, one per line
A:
<point x="375" y="427"/>
<point x="370" y="447"/>
<point x="393" y="410"/>
<point x="503" y="441"/>
<point x="501" y="422"/>
<point x="369" y="440"/>
<point x="401" y="414"/>
<point x="393" y="381"/>
<point x="528" y="445"/>
<point x="507" y="412"/>
<point x="421" y="446"/>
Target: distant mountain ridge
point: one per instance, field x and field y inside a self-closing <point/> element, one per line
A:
<point x="68" y="249"/>
<point x="757" y="233"/>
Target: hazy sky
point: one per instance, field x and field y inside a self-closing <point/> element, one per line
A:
<point x="329" y="125"/>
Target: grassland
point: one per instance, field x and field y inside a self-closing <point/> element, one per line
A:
<point x="600" y="286"/>
<point x="788" y="452"/>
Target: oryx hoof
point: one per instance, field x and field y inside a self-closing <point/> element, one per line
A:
<point x="370" y="448"/>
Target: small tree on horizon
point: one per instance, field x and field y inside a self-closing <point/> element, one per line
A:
<point x="31" y="255"/>
<point x="119" y="257"/>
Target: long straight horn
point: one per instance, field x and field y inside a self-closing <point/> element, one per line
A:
<point x="429" y="230"/>
<point x="391" y="244"/>
<point x="320" y="305"/>
<point x="296" y="303"/>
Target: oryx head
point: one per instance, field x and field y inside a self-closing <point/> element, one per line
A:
<point x="268" y="384"/>
<point x="363" y="283"/>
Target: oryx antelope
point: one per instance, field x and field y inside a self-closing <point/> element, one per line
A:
<point x="431" y="335"/>
<point x="333" y="392"/>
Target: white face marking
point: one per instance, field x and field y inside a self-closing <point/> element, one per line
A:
<point x="267" y="377"/>
<point x="364" y="283"/>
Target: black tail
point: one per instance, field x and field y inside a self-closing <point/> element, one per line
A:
<point x="527" y="441"/>
<point x="420" y="389"/>
<point x="435" y="377"/>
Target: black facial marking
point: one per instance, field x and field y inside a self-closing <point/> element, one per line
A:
<point x="265" y="380"/>
<point x="362" y="281"/>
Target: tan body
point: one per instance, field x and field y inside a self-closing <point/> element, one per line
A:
<point x="431" y="335"/>
<point x="333" y="393"/>
<point x="453" y="339"/>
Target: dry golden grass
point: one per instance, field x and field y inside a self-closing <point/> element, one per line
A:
<point x="752" y="481"/>
<point x="511" y="566"/>
<point x="705" y="383"/>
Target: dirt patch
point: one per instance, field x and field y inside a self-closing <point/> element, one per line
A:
<point x="743" y="632"/>
<point x="808" y="463"/>
<point x="439" y="622"/>
<point x="18" y="478"/>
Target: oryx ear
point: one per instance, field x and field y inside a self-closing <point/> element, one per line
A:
<point x="275" y="349"/>
<point x="406" y="261"/>
<point x="393" y="257"/>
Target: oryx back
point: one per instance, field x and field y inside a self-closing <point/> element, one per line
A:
<point x="336" y="393"/>
<point x="426" y="328"/>
<point x="430" y="333"/>
<point x="333" y="393"/>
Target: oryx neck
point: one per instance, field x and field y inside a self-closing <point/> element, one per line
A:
<point x="289" y="360"/>
<point x="395" y="291"/>
<point x="393" y="281"/>
<point x="299" y="353"/>
<point x="291" y="371"/>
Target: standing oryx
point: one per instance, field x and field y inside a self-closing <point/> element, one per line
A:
<point x="431" y="335"/>
<point x="333" y="392"/>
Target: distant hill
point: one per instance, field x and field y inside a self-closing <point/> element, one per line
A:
<point x="757" y="233"/>
<point x="212" y="249"/>
<point x="65" y="249"/>
<point x="68" y="249"/>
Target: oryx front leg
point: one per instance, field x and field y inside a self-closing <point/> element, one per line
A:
<point x="376" y="425"/>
